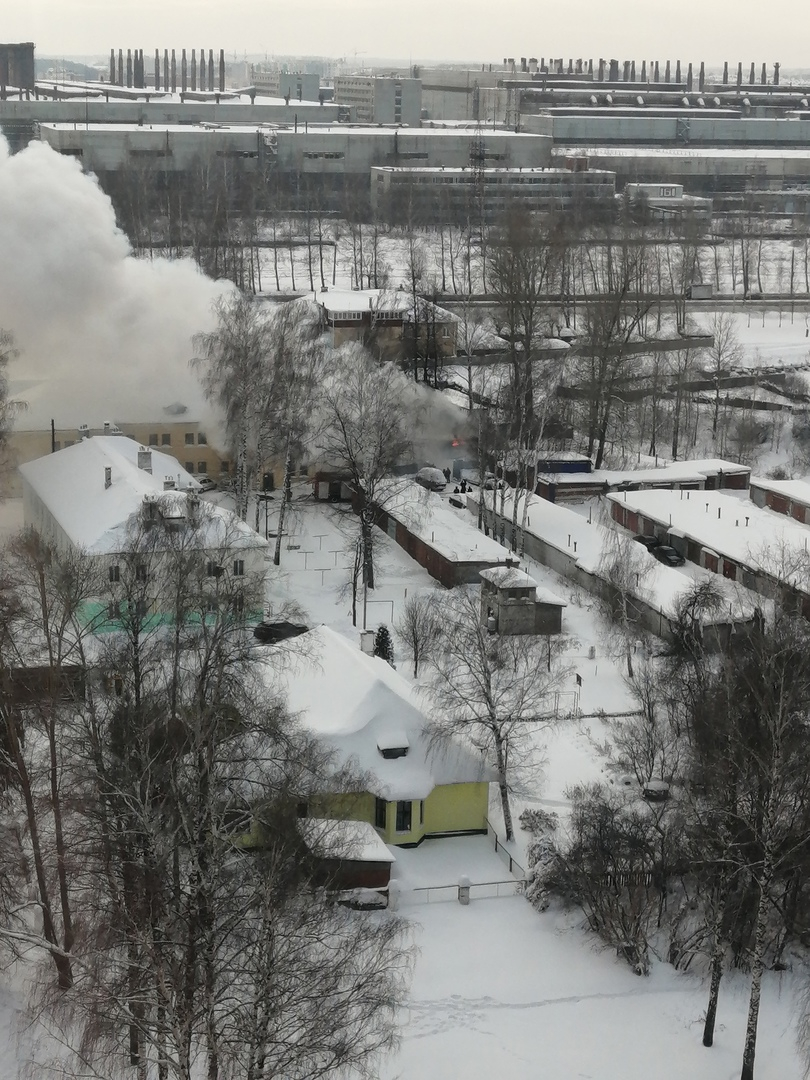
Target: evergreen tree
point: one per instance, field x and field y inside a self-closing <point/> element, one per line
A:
<point x="383" y="645"/>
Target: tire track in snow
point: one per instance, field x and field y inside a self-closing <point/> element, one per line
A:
<point x="457" y="1011"/>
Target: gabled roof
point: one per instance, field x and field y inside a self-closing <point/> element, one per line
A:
<point x="358" y="705"/>
<point x="381" y="302"/>
<point x="71" y="483"/>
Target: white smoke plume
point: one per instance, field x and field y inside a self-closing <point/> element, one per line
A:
<point x="101" y="335"/>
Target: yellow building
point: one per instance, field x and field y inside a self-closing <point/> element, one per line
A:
<point x="410" y="784"/>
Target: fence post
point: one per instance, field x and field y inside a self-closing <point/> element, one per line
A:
<point x="464" y="890"/>
<point x="393" y="895"/>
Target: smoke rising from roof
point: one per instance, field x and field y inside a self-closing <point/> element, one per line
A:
<point x="101" y="335"/>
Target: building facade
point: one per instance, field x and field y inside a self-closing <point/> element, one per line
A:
<point x="379" y="99"/>
<point x="454" y="194"/>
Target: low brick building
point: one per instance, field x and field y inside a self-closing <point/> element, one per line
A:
<point x="791" y="497"/>
<point x="446" y="543"/>
<point x="736" y="539"/>
<point x="517" y="605"/>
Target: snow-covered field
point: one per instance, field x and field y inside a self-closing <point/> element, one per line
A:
<point x="502" y="992"/>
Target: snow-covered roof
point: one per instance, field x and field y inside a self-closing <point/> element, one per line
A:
<point x="799" y="490"/>
<point x="379" y="302"/>
<point x="676" y="472"/>
<point x="508" y="577"/>
<point x="355" y="704"/>
<point x="744" y="532"/>
<point x="427" y="516"/>
<point x="356" y="841"/>
<point x="761" y="153"/>
<point x="71" y="483"/>
<point x="586" y="542"/>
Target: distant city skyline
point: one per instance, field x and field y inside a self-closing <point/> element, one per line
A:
<point x="476" y="31"/>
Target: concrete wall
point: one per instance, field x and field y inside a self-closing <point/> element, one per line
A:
<point x="357" y="149"/>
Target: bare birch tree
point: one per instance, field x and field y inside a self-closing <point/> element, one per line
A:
<point x="492" y="690"/>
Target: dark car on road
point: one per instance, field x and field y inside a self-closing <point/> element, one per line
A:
<point x="668" y="555"/>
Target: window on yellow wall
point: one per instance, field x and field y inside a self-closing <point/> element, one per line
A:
<point x="403" y="817"/>
<point x="380" y="811"/>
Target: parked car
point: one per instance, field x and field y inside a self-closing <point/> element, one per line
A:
<point x="649" y="542"/>
<point x="206" y="483"/>
<point x="492" y="483"/>
<point x="668" y="555"/>
<point x="432" y="479"/>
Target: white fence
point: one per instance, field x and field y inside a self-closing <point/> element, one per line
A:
<point x="438" y="894"/>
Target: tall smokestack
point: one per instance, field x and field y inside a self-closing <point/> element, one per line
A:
<point x="222" y="69"/>
<point x="202" y="69"/>
<point x="193" y="69"/>
<point x="120" y="67"/>
<point x="210" y="69"/>
<point x="174" y="73"/>
<point x="157" y="69"/>
<point x="166" y="83"/>
<point x="129" y="67"/>
<point x="112" y="65"/>
<point x="183" y="72"/>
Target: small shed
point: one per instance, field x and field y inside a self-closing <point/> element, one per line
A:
<point x="512" y="598"/>
<point x="352" y="853"/>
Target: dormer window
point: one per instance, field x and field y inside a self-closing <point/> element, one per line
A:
<point x="393" y="745"/>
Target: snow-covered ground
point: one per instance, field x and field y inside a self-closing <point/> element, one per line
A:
<point x="499" y="990"/>
<point x="502" y="992"/>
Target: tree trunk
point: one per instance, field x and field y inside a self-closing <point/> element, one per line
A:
<point x="503" y="788"/>
<point x="714" y="993"/>
<point x="285" y="497"/>
<point x="757" y="966"/>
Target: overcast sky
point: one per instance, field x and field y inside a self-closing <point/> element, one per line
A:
<point x="476" y="30"/>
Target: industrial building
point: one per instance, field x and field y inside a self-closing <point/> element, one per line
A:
<point x="295" y="85"/>
<point x="141" y="109"/>
<point x="450" y="194"/>
<point x="377" y="99"/>
<point x="17" y="66"/>
<point x="702" y="169"/>
<point x="330" y="156"/>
